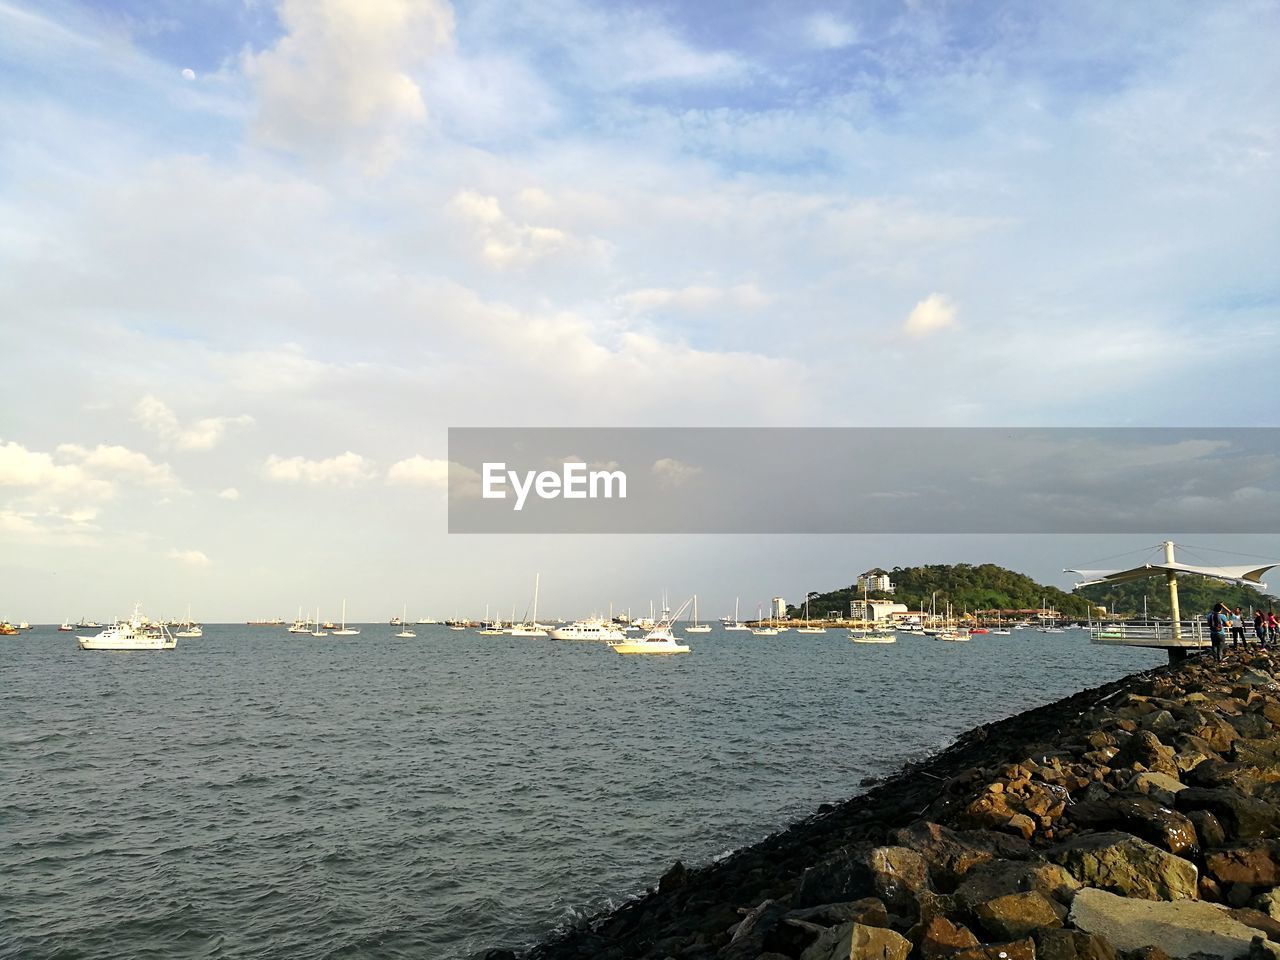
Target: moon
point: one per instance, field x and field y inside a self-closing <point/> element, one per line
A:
<point x="188" y="74"/>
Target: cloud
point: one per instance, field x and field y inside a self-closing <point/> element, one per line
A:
<point x="339" y="79"/>
<point x="121" y="463"/>
<point x="692" y="298"/>
<point x="828" y="32"/>
<point x="672" y="473"/>
<point x="346" y="468"/>
<point x="419" y="472"/>
<point x="192" y="558"/>
<point x="155" y="416"/>
<point x="504" y="243"/>
<point x="935" y="312"/>
<point x="229" y="493"/>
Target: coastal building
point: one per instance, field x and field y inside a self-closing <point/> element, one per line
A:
<point x="779" y="609"/>
<point x="875" y="581"/>
<point x="877" y="610"/>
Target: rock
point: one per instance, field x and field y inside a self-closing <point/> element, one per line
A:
<point x="1072" y="945"/>
<point x="1124" y="864"/>
<point x="1242" y="817"/>
<point x="1141" y="816"/>
<point x="1268" y="903"/>
<point x="1256" y="864"/>
<point x="899" y="876"/>
<point x="1017" y="950"/>
<point x="869" y="911"/>
<point x="841" y="877"/>
<point x="1263" y="751"/>
<point x="940" y="938"/>
<point x="999" y="878"/>
<point x="1017" y="914"/>
<point x="1160" y="787"/>
<point x="674" y="879"/>
<point x="1208" y="829"/>
<point x="748" y="940"/>
<point x="1266" y="924"/>
<point x="951" y="854"/>
<point x="1144" y="747"/>
<point x="1186" y="929"/>
<point x="854" y="941"/>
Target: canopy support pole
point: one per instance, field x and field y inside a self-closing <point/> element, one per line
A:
<point x="1176" y="654"/>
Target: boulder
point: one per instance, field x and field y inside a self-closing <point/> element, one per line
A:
<point x="1126" y="865"/>
<point x="1183" y="929"/>
<point x="1264" y="923"/>
<point x="748" y="940"/>
<point x="1057" y="944"/>
<point x="1208" y="829"/>
<point x="999" y="878"/>
<point x="1139" y="815"/>
<point x="1018" y="914"/>
<point x="1256" y="864"/>
<point x="1242" y="817"/>
<point x="1145" y="748"/>
<point x="1016" y="950"/>
<point x="899" y="876"/>
<point x="940" y="938"/>
<point x="1268" y="903"/>
<point x="841" y="877"/>
<point x="855" y="941"/>
<point x="1160" y="787"/>
<point x="951" y="854"/>
<point x="869" y="911"/>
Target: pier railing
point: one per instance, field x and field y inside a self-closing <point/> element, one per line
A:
<point x="1152" y="634"/>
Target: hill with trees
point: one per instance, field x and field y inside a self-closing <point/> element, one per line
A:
<point x="984" y="586"/>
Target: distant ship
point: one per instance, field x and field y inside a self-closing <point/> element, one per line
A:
<point x="277" y="622"/>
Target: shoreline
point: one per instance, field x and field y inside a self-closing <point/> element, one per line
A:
<point x="1161" y="786"/>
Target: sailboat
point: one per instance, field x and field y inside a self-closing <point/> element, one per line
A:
<point x="405" y="633"/>
<point x="531" y="628"/>
<point x="808" y="627"/>
<point x="344" y="631"/>
<point x="318" y="631"/>
<point x="736" y="624"/>
<point x="950" y="631"/>
<point x="190" y="628"/>
<point x="696" y="627"/>
<point x="760" y="630"/>
<point x="300" y="625"/>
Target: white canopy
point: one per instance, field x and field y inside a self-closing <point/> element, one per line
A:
<point x="1250" y="574"/>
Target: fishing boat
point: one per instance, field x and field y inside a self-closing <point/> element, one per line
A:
<point x="696" y="627"/>
<point x="344" y="630"/>
<point x="7" y="629"/>
<point x="659" y="640"/>
<point x="136" y="633"/>
<point x="65" y="627"/>
<point x="300" y="625"/>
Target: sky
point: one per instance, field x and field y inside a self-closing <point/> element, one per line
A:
<point x="256" y="257"/>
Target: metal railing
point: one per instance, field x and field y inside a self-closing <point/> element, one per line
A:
<point x="1151" y="634"/>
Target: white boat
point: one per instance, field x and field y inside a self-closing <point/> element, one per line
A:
<point x="405" y="633"/>
<point x="735" y="623"/>
<point x="1001" y="632"/>
<point x="952" y="636"/>
<point x="136" y="633"/>
<point x="659" y="640"/>
<point x="531" y="628"/>
<point x="65" y="627"/>
<point x="696" y="627"/>
<point x="429" y="621"/>
<point x="593" y="628"/>
<point x="318" y="631"/>
<point x="807" y="628"/>
<point x="344" y="631"/>
<point x="190" y="629"/>
<point x="873" y="636"/>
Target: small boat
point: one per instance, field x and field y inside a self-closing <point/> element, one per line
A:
<point x="808" y="628"/>
<point x="951" y="636"/>
<point x="1001" y="632"/>
<point x="7" y="629"/>
<point x="530" y="628"/>
<point x="189" y="628"/>
<point x="873" y="636"/>
<point x="136" y="633"/>
<point x="696" y="627"/>
<point x="319" y="630"/>
<point x="400" y="621"/>
<point x="735" y="623"/>
<point x="65" y="627"/>
<point x="659" y="640"/>
<point x="975" y="631"/>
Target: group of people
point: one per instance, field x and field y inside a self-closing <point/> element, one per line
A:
<point x="1222" y="619"/>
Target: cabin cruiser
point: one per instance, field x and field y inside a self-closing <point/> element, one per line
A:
<point x="593" y="629"/>
<point x="136" y="633"/>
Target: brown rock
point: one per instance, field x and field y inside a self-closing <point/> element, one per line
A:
<point x="1242" y="817"/>
<point x="1141" y="816"/>
<point x="868" y="911"/>
<point x="1126" y="865"/>
<point x="899" y="876"/>
<point x="1017" y="914"/>
<point x="941" y="938"/>
<point x="1256" y="864"/>
<point x="1072" y="945"/>
<point x="1017" y="950"/>
<point x="1268" y="925"/>
<point x="854" y="941"/>
<point x="951" y="854"/>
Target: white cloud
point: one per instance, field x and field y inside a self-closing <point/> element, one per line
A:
<point x="503" y="243"/>
<point x="346" y="468"/>
<point x="828" y="32"/>
<point x="229" y="493"/>
<point x="157" y="417"/>
<point x="340" y="79"/>
<point x="121" y="463"/>
<point x="192" y="558"/>
<point x="672" y="473"/>
<point x="692" y="298"/>
<point x="419" y="471"/>
<point x="935" y="312"/>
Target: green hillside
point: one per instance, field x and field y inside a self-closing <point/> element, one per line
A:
<point x="985" y="586"/>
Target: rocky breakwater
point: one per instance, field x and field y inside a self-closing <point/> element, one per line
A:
<point x="1137" y="820"/>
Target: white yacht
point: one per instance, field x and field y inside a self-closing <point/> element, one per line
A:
<point x="136" y="633"/>
<point x="530" y="628"/>
<point x="658" y="640"/>
<point x="697" y="627"/>
<point x="345" y="631"/>
<point x="878" y="635"/>
<point x="590" y="629"/>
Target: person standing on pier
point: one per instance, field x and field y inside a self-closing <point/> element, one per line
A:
<point x="1218" y="629"/>
<point x="1237" y="630"/>
<point x="1272" y="627"/>
<point x="1260" y="627"/>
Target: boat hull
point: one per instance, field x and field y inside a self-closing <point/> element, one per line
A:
<point x="127" y="643"/>
<point x="642" y="647"/>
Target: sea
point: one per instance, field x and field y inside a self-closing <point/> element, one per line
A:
<point x="260" y="794"/>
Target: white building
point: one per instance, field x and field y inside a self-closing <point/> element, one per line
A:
<point x="779" y="608"/>
<point x="875" y="581"/>
<point x="877" y="610"/>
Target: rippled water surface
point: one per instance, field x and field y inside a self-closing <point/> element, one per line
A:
<point x="256" y="794"/>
